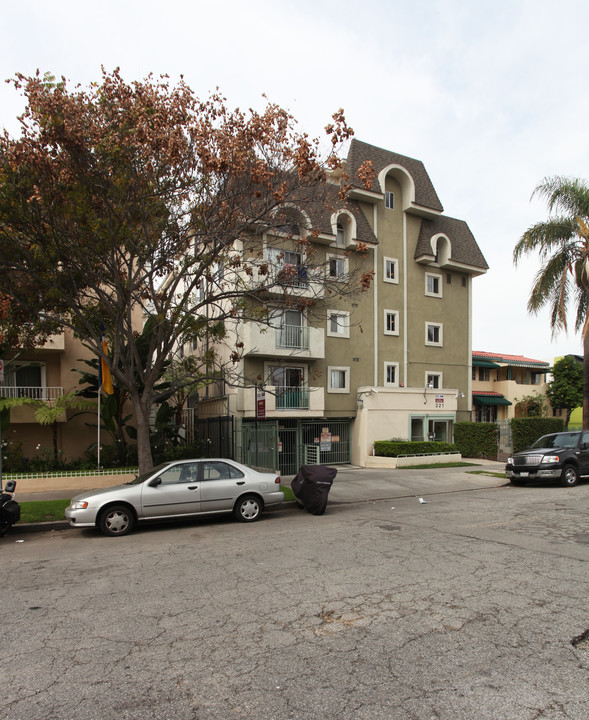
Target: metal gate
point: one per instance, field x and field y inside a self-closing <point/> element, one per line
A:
<point x="505" y="442"/>
<point x="331" y="438"/>
<point x="257" y="445"/>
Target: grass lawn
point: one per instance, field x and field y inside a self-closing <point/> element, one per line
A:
<point x="42" y="510"/>
<point x="427" y="466"/>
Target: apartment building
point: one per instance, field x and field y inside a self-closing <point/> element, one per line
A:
<point x="45" y="374"/>
<point x="327" y="378"/>
<point x="500" y="380"/>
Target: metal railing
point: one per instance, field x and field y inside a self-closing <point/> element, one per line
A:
<point x="292" y="398"/>
<point x="34" y="393"/>
<point x="292" y="336"/>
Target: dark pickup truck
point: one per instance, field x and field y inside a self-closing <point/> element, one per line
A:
<point x="561" y="456"/>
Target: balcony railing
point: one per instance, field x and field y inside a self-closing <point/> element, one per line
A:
<point x="292" y="398"/>
<point x="34" y="393"/>
<point x="295" y="337"/>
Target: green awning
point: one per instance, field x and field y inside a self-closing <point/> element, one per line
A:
<point x="489" y="400"/>
<point x="484" y="363"/>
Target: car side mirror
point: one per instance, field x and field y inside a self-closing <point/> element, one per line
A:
<point x="155" y="482"/>
<point x="10" y="486"/>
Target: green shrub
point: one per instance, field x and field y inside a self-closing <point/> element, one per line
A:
<point x="476" y="440"/>
<point x="525" y="431"/>
<point x="394" y="448"/>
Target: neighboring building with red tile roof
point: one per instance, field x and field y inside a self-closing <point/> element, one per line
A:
<point x="499" y="380"/>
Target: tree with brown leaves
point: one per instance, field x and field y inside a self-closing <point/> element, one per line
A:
<point x="122" y="202"/>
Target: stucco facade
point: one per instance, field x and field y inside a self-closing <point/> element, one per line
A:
<point x="393" y="361"/>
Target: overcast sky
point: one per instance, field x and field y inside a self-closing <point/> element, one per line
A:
<point x="490" y="96"/>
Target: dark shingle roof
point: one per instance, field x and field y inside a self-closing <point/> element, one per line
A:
<point x="464" y="248"/>
<point x="321" y="213"/>
<point x="359" y="152"/>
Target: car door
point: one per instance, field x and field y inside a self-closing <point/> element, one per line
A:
<point x="221" y="483"/>
<point x="584" y="454"/>
<point x="176" y="491"/>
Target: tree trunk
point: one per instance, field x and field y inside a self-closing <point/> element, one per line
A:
<point x="586" y="382"/>
<point x="144" y="457"/>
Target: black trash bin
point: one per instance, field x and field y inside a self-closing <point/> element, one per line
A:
<point x="311" y="486"/>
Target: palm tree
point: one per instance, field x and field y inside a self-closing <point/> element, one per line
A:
<point x="562" y="243"/>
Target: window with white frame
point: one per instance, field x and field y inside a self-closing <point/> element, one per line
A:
<point x="433" y="379"/>
<point x="338" y="379"/>
<point x="288" y="266"/>
<point x="337" y="267"/>
<point x="389" y="200"/>
<point x="391" y="322"/>
<point x="338" y="323"/>
<point x="434" y="334"/>
<point x="340" y="235"/>
<point x="391" y="374"/>
<point x="433" y="285"/>
<point x="391" y="270"/>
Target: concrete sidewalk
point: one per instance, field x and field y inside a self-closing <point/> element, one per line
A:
<point x="352" y="485"/>
<point x="357" y="484"/>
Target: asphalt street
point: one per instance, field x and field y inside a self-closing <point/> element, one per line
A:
<point x="472" y="604"/>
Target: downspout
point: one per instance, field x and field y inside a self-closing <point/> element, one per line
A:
<point x="375" y="297"/>
<point x="405" y="300"/>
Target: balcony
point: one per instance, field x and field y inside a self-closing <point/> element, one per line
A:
<point x="34" y="393"/>
<point x="281" y="280"/>
<point x="291" y="398"/>
<point x="286" y="341"/>
<point x="284" y="401"/>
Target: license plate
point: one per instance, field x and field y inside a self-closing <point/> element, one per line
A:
<point x="524" y="474"/>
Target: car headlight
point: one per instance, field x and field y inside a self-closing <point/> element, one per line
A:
<point x="78" y="504"/>
<point x="549" y="459"/>
<point x="510" y="461"/>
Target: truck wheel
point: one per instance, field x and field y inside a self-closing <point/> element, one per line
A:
<point x="570" y="476"/>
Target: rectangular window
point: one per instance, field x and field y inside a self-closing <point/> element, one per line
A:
<point x="391" y="322"/>
<point x="433" y="285"/>
<point x="484" y="374"/>
<point x="338" y="323"/>
<point x="391" y="270"/>
<point x="434" y="334"/>
<point x="433" y="380"/>
<point x="389" y="200"/>
<point x="391" y="374"/>
<point x="337" y="267"/>
<point x="339" y="379"/>
<point x="288" y="267"/>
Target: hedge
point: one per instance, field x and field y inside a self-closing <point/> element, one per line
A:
<point x="525" y="431"/>
<point x="476" y="440"/>
<point x="394" y="448"/>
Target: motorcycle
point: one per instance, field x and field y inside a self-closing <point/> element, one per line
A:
<point x="9" y="508"/>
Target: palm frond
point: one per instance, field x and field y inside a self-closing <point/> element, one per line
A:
<point x="542" y="237"/>
<point x="568" y="195"/>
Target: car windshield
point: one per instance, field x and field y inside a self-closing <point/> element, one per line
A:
<point x="150" y="473"/>
<point x="560" y="440"/>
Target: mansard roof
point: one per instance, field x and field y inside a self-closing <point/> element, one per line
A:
<point x="360" y="152"/>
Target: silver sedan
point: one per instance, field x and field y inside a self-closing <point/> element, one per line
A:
<point x="179" y="488"/>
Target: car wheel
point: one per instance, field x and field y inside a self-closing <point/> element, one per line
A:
<point x="248" y="508"/>
<point x="570" y="476"/>
<point x="116" y="520"/>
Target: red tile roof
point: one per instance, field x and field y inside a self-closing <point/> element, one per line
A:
<point x="509" y="359"/>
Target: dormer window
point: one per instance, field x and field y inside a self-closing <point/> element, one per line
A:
<point x="340" y="237"/>
<point x="389" y="200"/>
